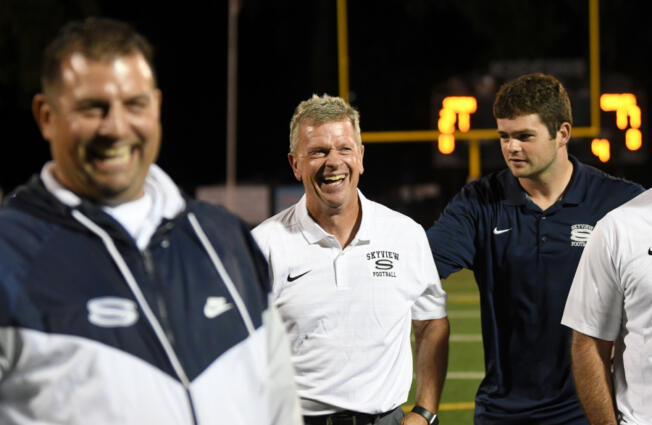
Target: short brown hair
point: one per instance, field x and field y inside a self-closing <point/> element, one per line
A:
<point x="99" y="39"/>
<point x="535" y="94"/>
<point x="320" y="110"/>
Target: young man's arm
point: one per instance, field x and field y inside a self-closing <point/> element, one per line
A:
<point x="591" y="364"/>
<point x="431" y="350"/>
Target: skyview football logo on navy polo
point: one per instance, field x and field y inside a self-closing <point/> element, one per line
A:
<point x="580" y="234"/>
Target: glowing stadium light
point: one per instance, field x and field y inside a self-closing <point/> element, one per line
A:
<point x="601" y="149"/>
<point x="624" y="104"/>
<point x="464" y="106"/>
<point x="634" y="113"/>
<point x="446" y="123"/>
<point x="454" y="109"/>
<point x="446" y="143"/>
<point x="613" y="101"/>
<point x="633" y="139"/>
<point x="626" y="109"/>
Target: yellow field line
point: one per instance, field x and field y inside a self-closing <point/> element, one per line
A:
<point x="465" y="405"/>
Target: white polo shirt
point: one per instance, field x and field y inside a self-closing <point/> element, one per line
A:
<point x="348" y="311"/>
<point x="611" y="299"/>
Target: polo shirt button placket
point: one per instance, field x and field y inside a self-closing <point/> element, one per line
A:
<point x="339" y="280"/>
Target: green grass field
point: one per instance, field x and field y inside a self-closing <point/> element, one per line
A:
<point x="465" y="359"/>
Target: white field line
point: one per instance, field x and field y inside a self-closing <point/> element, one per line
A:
<point x="469" y="375"/>
<point x="465" y="375"/>
<point x="459" y="338"/>
<point x="465" y="338"/>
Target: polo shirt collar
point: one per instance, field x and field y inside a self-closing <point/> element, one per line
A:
<point x="514" y="193"/>
<point x="574" y="194"/>
<point x="576" y="190"/>
<point x="314" y="233"/>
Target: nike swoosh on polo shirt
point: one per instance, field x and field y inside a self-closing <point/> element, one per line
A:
<point x="498" y="232"/>
<point x="293" y="278"/>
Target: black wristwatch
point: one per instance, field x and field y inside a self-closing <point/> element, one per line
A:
<point x="430" y="417"/>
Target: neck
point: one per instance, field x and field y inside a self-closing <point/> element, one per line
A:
<point x="343" y="223"/>
<point x="546" y="189"/>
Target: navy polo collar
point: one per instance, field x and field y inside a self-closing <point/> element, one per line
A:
<point x="574" y="194"/>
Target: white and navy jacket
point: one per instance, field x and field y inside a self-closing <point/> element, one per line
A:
<point x="94" y="330"/>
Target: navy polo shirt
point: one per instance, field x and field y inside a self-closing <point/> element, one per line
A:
<point x="524" y="260"/>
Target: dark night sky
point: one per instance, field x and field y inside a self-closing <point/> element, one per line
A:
<point x="404" y="56"/>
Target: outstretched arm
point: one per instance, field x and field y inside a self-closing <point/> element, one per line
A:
<point x="592" y="373"/>
<point x="431" y="350"/>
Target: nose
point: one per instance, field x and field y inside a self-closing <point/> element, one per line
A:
<point x="513" y="144"/>
<point x="114" y="124"/>
<point x="333" y="159"/>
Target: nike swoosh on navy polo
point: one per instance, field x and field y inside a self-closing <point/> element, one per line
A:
<point x="293" y="278"/>
<point x="498" y="232"/>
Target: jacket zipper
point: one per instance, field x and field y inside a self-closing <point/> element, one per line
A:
<point x="159" y="330"/>
<point x="160" y="301"/>
<point x="165" y="321"/>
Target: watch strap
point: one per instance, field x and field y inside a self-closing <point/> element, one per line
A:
<point x="429" y="416"/>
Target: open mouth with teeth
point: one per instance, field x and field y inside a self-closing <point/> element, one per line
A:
<point x="111" y="157"/>
<point x="334" y="180"/>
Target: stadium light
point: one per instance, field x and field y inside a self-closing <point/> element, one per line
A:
<point x="625" y="106"/>
<point x="633" y="139"/>
<point x="601" y="149"/>
<point x="446" y="143"/>
<point x="454" y="108"/>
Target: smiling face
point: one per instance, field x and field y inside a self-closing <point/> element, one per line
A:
<point x="528" y="149"/>
<point x="328" y="160"/>
<point x="103" y="125"/>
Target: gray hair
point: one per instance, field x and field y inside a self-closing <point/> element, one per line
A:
<point x="320" y="110"/>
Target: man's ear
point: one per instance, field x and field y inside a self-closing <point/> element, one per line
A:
<point x="43" y="114"/>
<point x="361" y="158"/>
<point x="294" y="163"/>
<point x="564" y="133"/>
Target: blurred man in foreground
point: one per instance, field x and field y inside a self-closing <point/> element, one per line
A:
<point x="522" y="231"/>
<point x="609" y="310"/>
<point x="122" y="301"/>
<point x="348" y="276"/>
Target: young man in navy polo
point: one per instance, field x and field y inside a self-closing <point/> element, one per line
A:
<point x="522" y="231"/>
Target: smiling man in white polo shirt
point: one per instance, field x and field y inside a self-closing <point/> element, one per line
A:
<point x="349" y="275"/>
